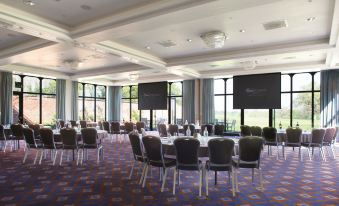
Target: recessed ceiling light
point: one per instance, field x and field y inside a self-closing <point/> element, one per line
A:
<point x="86" y="7"/>
<point x="189" y="40"/>
<point x="310" y="18"/>
<point x="148" y="47"/>
<point x="241" y="30"/>
<point x="29" y="3"/>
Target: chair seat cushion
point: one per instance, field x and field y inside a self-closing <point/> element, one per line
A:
<point x="168" y="163"/>
<point x="272" y="143"/>
<point x="243" y="164"/>
<point x="91" y="146"/>
<point x="190" y="166"/>
<point x="216" y="167"/>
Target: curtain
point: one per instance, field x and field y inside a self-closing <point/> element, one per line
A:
<point x="329" y="98"/>
<point x="60" y="98"/>
<point x="114" y="103"/>
<point x="75" y="95"/>
<point x="6" y="98"/>
<point x="188" y="101"/>
<point x="208" y="101"/>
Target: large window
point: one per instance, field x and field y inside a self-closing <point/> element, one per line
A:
<point x="92" y="102"/>
<point x="34" y="100"/>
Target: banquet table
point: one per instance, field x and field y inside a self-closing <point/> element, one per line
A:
<point x="101" y="134"/>
<point x="306" y="136"/>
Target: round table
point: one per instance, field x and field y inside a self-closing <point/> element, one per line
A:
<point x="101" y="134"/>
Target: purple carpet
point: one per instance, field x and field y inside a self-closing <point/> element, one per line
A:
<point x="286" y="182"/>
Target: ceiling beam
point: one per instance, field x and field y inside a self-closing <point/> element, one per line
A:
<point x="34" y="70"/>
<point x="332" y="56"/>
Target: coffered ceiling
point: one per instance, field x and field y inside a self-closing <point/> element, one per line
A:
<point x="108" y="40"/>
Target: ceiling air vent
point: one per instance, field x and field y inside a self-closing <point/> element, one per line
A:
<point x="275" y="24"/>
<point x="167" y="43"/>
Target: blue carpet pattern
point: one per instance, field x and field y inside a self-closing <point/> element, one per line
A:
<point x="286" y="182"/>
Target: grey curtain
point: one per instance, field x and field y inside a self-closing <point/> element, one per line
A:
<point x="75" y="95"/>
<point x="114" y="103"/>
<point x="6" y="98"/>
<point x="188" y="101"/>
<point x="208" y="101"/>
<point x="60" y="98"/>
<point x="329" y="98"/>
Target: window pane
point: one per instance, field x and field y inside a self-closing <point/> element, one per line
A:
<point x="232" y="114"/>
<point x="316" y="109"/>
<point x="31" y="84"/>
<point x="302" y="82"/>
<point x="125" y="92"/>
<point x="101" y="92"/>
<point x="219" y="106"/>
<point x="80" y="109"/>
<point x="16" y="78"/>
<point x="100" y="110"/>
<point x="145" y="117"/>
<point x="219" y="86"/>
<point x="317" y="81"/>
<point x="285" y="83"/>
<point x="31" y="109"/>
<point x="48" y="110"/>
<point x="89" y="90"/>
<point x="176" y="89"/>
<point x="176" y="110"/>
<point x="160" y="117"/>
<point x="135" y="111"/>
<point x="48" y="86"/>
<point x="80" y="89"/>
<point x="256" y="117"/>
<point x="15" y="106"/>
<point x="125" y="110"/>
<point x="229" y="86"/>
<point x="283" y="115"/>
<point x="134" y="91"/>
<point x="302" y="110"/>
<point x="89" y="109"/>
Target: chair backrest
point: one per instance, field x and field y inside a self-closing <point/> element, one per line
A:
<point x="89" y="136"/>
<point x="256" y="131"/>
<point x="162" y="130"/>
<point x="233" y="124"/>
<point x="115" y="126"/>
<point x="187" y="151"/>
<point x="100" y="125"/>
<point x="36" y="129"/>
<point x="153" y="148"/>
<point x="73" y="123"/>
<point x="83" y="124"/>
<point x="62" y="123"/>
<point x="129" y="127"/>
<point x="136" y="144"/>
<point x="219" y="129"/>
<point x="335" y="134"/>
<point x="245" y="130"/>
<point x="192" y="128"/>
<point x="293" y="135"/>
<point x="2" y="132"/>
<point x="220" y="150"/>
<point x="209" y="129"/>
<point x="269" y="134"/>
<point x="140" y="125"/>
<point x="250" y="148"/>
<point x="29" y="136"/>
<point x="173" y="128"/>
<point x="17" y="131"/>
<point x="69" y="137"/>
<point x="47" y="137"/>
<point x="329" y="134"/>
<point x="105" y="126"/>
<point x="318" y="136"/>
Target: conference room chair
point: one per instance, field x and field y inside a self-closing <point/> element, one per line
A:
<point x="17" y="135"/>
<point x="73" y="123"/>
<point x="115" y="130"/>
<point x="220" y="152"/>
<point x="162" y="130"/>
<point x="192" y="129"/>
<point x="90" y="142"/>
<point x="249" y="157"/>
<point x="209" y="128"/>
<point x="129" y="127"/>
<point x="155" y="158"/>
<point x="256" y="131"/>
<point x="69" y="143"/>
<point x="61" y="123"/>
<point x="245" y="130"/>
<point x="271" y="139"/>
<point x="138" y="154"/>
<point x="30" y="143"/>
<point x="140" y="125"/>
<point x="83" y="123"/>
<point x="231" y="125"/>
<point x="100" y="125"/>
<point x="4" y="141"/>
<point x="316" y="142"/>
<point x="106" y="127"/>
<point x="47" y="140"/>
<point x="36" y="129"/>
<point x="219" y="129"/>
<point x="329" y="139"/>
<point x="293" y="139"/>
<point x="173" y="129"/>
<point x="187" y="151"/>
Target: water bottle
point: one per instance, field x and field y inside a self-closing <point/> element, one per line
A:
<point x="205" y="132"/>
<point x="297" y="125"/>
<point x="186" y="122"/>
<point x="188" y="131"/>
<point x="280" y="126"/>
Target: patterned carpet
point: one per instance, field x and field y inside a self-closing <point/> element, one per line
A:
<point x="286" y="182"/>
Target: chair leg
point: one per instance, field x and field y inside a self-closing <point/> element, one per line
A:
<point x="236" y="180"/>
<point x="62" y="153"/>
<point x="98" y="156"/>
<point x="206" y="181"/>
<point x="42" y="154"/>
<point x="309" y="153"/>
<point x="36" y="155"/>
<point x="145" y="176"/>
<point x="215" y="177"/>
<point x="300" y="155"/>
<point x="252" y="175"/>
<point x="200" y="181"/>
<point x="174" y="180"/>
<point x="261" y="177"/>
<point x="142" y="174"/>
<point x="130" y="174"/>
<point x="233" y="186"/>
<point x="333" y="151"/>
<point x="322" y="153"/>
<point x="164" y="180"/>
<point x="283" y="150"/>
<point x="55" y="156"/>
<point x="77" y="157"/>
<point x="229" y="177"/>
<point x="26" y="153"/>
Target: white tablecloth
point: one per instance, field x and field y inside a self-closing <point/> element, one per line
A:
<point x="305" y="136"/>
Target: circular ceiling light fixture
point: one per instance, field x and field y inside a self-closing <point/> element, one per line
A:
<point x="29" y="3"/>
<point x="133" y="77"/>
<point x="309" y="19"/>
<point x="214" y="39"/>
